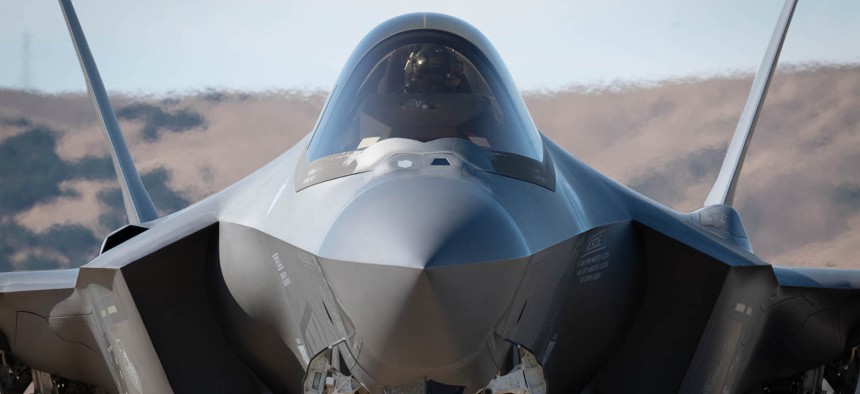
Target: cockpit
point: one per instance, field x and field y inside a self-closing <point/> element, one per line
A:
<point x="430" y="86"/>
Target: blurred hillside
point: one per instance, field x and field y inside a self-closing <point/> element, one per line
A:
<point x="799" y="193"/>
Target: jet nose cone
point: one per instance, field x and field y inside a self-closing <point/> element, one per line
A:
<point x="434" y="323"/>
<point x="425" y="269"/>
<point x="424" y="222"/>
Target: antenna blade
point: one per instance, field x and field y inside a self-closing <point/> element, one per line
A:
<point x="138" y="205"/>
<point x="723" y="191"/>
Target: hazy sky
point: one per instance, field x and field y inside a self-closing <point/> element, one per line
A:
<point x="157" y="46"/>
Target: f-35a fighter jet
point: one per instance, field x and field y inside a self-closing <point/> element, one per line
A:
<point x="426" y="238"/>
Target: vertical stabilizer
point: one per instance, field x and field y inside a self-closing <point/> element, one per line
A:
<point x="138" y="205"/>
<point x="723" y="191"/>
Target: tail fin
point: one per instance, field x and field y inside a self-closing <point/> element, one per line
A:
<point x="723" y="191"/>
<point x="138" y="205"/>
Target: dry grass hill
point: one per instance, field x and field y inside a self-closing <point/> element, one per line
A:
<point x="799" y="193"/>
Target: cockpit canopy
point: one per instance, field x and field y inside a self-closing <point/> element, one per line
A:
<point x="424" y="85"/>
<point x="421" y="84"/>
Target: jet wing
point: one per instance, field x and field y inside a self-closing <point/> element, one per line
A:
<point x="125" y="321"/>
<point x="30" y="295"/>
<point x="713" y="317"/>
<point x="767" y="326"/>
<point x="37" y="281"/>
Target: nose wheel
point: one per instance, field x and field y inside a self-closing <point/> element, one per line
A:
<point x="526" y="377"/>
<point x="323" y="377"/>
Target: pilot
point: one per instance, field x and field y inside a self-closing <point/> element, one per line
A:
<point x="433" y="68"/>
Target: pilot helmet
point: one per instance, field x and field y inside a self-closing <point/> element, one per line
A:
<point x="433" y="68"/>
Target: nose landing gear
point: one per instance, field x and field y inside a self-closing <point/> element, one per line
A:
<point x="526" y="377"/>
<point x="322" y="377"/>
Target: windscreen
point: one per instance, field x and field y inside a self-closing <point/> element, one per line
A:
<point x="423" y="87"/>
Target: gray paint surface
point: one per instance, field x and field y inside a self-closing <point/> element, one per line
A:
<point x="430" y="272"/>
<point x="137" y="203"/>
<point x="723" y="191"/>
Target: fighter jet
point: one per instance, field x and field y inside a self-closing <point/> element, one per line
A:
<point x="425" y="237"/>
